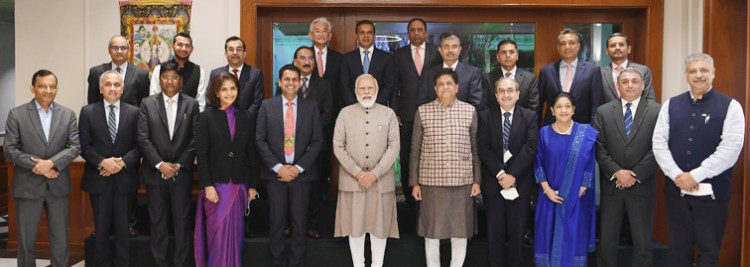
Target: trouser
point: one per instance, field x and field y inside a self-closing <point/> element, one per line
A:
<point x="377" y="250"/>
<point x="432" y="251"/>
<point x="164" y="200"/>
<point x="696" y="221"/>
<point x="405" y="135"/>
<point x="28" y="215"/>
<point x="111" y="211"/>
<point x="640" y="216"/>
<point x="288" y="199"/>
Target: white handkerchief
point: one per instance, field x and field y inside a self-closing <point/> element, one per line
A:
<point x="704" y="189"/>
<point x="510" y="193"/>
<point x="506" y="156"/>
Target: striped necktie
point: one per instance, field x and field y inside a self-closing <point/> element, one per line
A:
<point x="112" y="123"/>
<point x="628" y="119"/>
<point x="506" y="130"/>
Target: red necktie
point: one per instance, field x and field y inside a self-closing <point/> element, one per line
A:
<point x="235" y="73"/>
<point x="289" y="130"/>
<point x="418" y="60"/>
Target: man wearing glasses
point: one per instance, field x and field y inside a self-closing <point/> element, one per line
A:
<point x="251" y="79"/>
<point x="367" y="59"/>
<point x="470" y="81"/>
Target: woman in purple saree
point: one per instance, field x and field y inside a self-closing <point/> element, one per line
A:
<point x="225" y="150"/>
<point x="564" y="225"/>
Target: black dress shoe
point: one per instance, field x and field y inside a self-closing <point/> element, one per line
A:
<point x="132" y="232"/>
<point x="287" y="232"/>
<point x="93" y="234"/>
<point x="314" y="234"/>
<point x="249" y="232"/>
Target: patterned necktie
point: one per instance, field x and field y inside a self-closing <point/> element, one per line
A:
<point x="568" y="78"/>
<point x="418" y="60"/>
<point x="112" y="123"/>
<point x="235" y="73"/>
<point x="628" y="119"/>
<point x="507" y="74"/>
<point x="289" y="129"/>
<point x="170" y="117"/>
<point x="119" y="70"/>
<point x="616" y="73"/>
<point x="321" y="66"/>
<point x="304" y="87"/>
<point x="506" y="130"/>
<point x="366" y="62"/>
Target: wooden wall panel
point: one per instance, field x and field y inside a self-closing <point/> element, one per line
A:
<point x="745" y="248"/>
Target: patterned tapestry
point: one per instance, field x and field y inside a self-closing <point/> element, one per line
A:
<point x="150" y="26"/>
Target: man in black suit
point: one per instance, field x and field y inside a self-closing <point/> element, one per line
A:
<point x="581" y="79"/>
<point x="469" y="79"/>
<point x="136" y="82"/>
<point x="135" y="87"/>
<point x="628" y="168"/>
<point x="507" y="56"/>
<point x="107" y="130"/>
<point x="251" y="79"/>
<point x="194" y="80"/>
<point x="314" y="88"/>
<point x="327" y="60"/>
<point x="410" y="62"/>
<point x="288" y="139"/>
<point x="367" y="59"/>
<point x="507" y="140"/>
<point x="167" y="128"/>
<point x="618" y="48"/>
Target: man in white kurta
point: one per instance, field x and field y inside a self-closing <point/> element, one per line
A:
<point x="366" y="143"/>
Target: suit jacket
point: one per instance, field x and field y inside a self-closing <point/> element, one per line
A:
<point x="333" y="76"/>
<point x="529" y="90"/>
<point x="269" y="137"/>
<point x="610" y="91"/>
<point x="319" y="90"/>
<point x="221" y="158"/>
<point x="135" y="87"/>
<point x="154" y="142"/>
<point x="251" y="86"/>
<point x="469" y="84"/>
<point x="24" y="139"/>
<point x="405" y="98"/>
<point x="586" y="89"/>
<point x="96" y="146"/>
<point x="381" y="67"/>
<point x="522" y="144"/>
<point x="615" y="150"/>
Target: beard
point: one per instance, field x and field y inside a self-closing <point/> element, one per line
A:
<point x="367" y="103"/>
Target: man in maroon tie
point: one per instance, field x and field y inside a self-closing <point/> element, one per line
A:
<point x="251" y="79"/>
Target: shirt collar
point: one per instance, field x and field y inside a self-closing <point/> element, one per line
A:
<point x="422" y="47"/>
<point x="574" y="63"/>
<point x="39" y="107"/>
<point x="372" y="48"/>
<point x="704" y="95"/>
<point x="634" y="102"/>
<point x="512" y="71"/>
<point x="453" y="67"/>
<point x="511" y="110"/>
<point x="123" y="67"/>
<point x="239" y="70"/>
<point x="294" y="100"/>
<point x="175" y="97"/>
<point x="624" y="65"/>
<point x="106" y="104"/>
<point x="325" y="50"/>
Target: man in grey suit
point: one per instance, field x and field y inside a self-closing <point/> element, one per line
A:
<point x="469" y="79"/>
<point x="167" y="129"/>
<point x="41" y="141"/>
<point x="628" y="168"/>
<point x="618" y="48"/>
<point x="411" y="62"/>
<point x="507" y="56"/>
<point x="136" y="81"/>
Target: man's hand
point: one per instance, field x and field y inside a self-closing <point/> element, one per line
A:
<point x="506" y="180"/>
<point x="110" y="167"/>
<point x="475" y="190"/>
<point x="287" y="173"/>
<point x="120" y="162"/>
<point x="625" y="178"/>
<point x="168" y="170"/>
<point x="51" y="174"/>
<point x="367" y="180"/>
<point x="416" y="192"/>
<point x="685" y="181"/>
<point x="42" y="166"/>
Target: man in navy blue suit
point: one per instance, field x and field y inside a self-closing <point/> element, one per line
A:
<point x="251" y="79"/>
<point x="367" y="59"/>
<point x="581" y="79"/>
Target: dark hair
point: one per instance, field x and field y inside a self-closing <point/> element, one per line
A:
<point x="564" y="95"/>
<point x="216" y="84"/>
<point x="42" y="73"/>
<point x="416" y="19"/>
<point x="169" y="65"/>
<point x="617" y="34"/>
<point x="449" y="35"/>
<point x="289" y="67"/>
<point x="449" y="72"/>
<point x="302" y="48"/>
<point x="230" y="39"/>
<point x="506" y="41"/>
<point x="569" y="31"/>
<point x="363" y="22"/>
<point x="183" y="34"/>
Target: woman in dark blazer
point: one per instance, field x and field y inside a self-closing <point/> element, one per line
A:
<point x="226" y="151"/>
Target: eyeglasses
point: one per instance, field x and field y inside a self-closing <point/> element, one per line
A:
<point x="235" y="49"/>
<point x="169" y="78"/>
<point x="115" y="48"/>
<point x="509" y="91"/>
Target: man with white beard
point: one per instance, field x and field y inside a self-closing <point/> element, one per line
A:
<point x="366" y="142"/>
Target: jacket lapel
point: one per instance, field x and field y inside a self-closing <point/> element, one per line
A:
<point x="181" y="109"/>
<point x="609" y="81"/>
<point x="619" y="119"/>
<point x="514" y="126"/>
<point x="639" y="114"/>
<point x="55" y="122"/>
<point x="556" y="76"/>
<point x="580" y="68"/>
<point x="162" y="110"/>
<point x="35" y="121"/>
<point x="129" y="77"/>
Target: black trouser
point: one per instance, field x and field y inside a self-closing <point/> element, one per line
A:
<point x="639" y="211"/>
<point x="506" y="221"/>
<point x="696" y="221"/>
<point x="288" y="199"/>
<point x="406" y="132"/>
<point x="318" y="189"/>
<point x="111" y="210"/>
<point x="165" y="200"/>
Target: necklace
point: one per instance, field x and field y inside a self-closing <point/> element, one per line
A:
<point x="566" y="132"/>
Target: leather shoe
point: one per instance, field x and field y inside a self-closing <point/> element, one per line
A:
<point x="314" y="234"/>
<point x="132" y="231"/>
<point x="287" y="232"/>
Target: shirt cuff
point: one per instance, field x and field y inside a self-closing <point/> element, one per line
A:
<point x="698" y="174"/>
<point x="301" y="170"/>
<point x="501" y="172"/>
<point x="159" y="165"/>
<point x="276" y="168"/>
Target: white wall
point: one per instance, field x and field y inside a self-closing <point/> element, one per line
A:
<point x="683" y="35"/>
<point x="69" y="37"/>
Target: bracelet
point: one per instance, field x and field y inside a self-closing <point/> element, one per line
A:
<point x="545" y="191"/>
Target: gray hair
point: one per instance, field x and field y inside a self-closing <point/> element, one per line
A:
<point x="101" y="77"/>
<point x="699" y="57"/>
<point x="497" y="84"/>
<point x="322" y="20"/>
<point x="366" y="75"/>
<point x="629" y="70"/>
<point x="448" y="36"/>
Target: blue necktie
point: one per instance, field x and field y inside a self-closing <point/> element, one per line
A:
<point x="506" y="130"/>
<point x="112" y="124"/>
<point x="366" y="62"/>
<point x="628" y="119"/>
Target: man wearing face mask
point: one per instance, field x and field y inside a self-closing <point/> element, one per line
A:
<point x="366" y="142"/>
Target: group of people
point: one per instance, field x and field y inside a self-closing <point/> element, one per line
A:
<point x="459" y="134"/>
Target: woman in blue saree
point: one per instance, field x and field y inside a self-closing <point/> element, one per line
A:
<point x="565" y="218"/>
<point x="226" y="158"/>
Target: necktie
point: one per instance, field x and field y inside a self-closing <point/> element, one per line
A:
<point x="321" y="66"/>
<point x="170" y="117"/>
<point x="568" y="78"/>
<point x="418" y="60"/>
<point x="119" y="70"/>
<point x="366" y="62"/>
<point x="616" y="73"/>
<point x="507" y="74"/>
<point x="235" y="73"/>
<point x="112" y="123"/>
<point x="304" y="87"/>
<point x="289" y="129"/>
<point x="628" y="119"/>
<point x="506" y="130"/>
